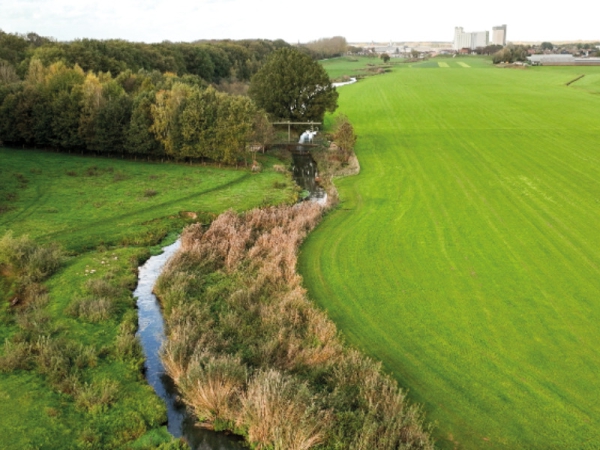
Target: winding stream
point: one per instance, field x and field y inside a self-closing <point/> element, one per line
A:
<point x="152" y="334"/>
<point x="151" y="329"/>
<point x="344" y="83"/>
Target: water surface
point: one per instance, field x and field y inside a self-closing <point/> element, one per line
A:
<point x="151" y="333"/>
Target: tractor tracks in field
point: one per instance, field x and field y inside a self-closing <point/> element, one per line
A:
<point x="150" y="208"/>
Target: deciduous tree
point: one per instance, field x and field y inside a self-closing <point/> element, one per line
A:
<point x="344" y="137"/>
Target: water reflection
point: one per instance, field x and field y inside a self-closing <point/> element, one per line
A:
<point x="306" y="174"/>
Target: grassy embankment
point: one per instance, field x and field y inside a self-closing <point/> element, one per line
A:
<point x="77" y="378"/>
<point x="466" y="255"/>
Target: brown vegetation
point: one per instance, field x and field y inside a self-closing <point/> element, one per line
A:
<point x="249" y="352"/>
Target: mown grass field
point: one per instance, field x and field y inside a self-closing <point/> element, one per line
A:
<point x="466" y="255"/>
<point x="107" y="214"/>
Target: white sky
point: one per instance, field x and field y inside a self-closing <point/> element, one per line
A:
<point x="365" y="21"/>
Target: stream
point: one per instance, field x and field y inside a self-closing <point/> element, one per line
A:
<point x="344" y="83"/>
<point x="306" y="175"/>
<point x="152" y="334"/>
<point x="151" y="327"/>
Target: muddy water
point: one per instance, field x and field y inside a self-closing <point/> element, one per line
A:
<point x="305" y="173"/>
<point x="151" y="333"/>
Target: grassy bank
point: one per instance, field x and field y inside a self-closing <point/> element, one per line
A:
<point x="70" y="368"/>
<point x="465" y="255"/>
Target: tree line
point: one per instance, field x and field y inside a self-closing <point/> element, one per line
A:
<point x="157" y="100"/>
<point x="211" y="60"/>
<point x="326" y="47"/>
<point x="144" y="113"/>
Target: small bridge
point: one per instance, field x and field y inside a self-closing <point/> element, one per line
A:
<point x="289" y="125"/>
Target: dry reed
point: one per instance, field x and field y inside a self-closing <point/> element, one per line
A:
<point x="248" y="349"/>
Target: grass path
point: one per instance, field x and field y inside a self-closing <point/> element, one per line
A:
<point x="466" y="255"/>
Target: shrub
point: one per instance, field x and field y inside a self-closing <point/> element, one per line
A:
<point x="62" y="361"/>
<point x="92" y="309"/>
<point x="100" y="287"/>
<point x="279" y="412"/>
<point x="120" y="176"/>
<point x="17" y="355"/>
<point x="96" y="397"/>
<point x="30" y="261"/>
<point x="92" y="171"/>
<point x="33" y="323"/>
<point x="212" y="386"/>
<point x="21" y="179"/>
<point x="128" y="348"/>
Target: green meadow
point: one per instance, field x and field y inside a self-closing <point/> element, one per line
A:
<point x="83" y="202"/>
<point x="466" y="254"/>
<point x="353" y="66"/>
<point x="108" y="215"/>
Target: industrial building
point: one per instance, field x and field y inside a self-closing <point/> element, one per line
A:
<point x="470" y="40"/>
<point x="499" y="35"/>
<point x="562" y="60"/>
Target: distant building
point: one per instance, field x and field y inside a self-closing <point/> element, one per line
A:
<point x="470" y="40"/>
<point x="499" y="35"/>
<point x="562" y="60"/>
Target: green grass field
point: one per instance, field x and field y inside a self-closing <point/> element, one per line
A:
<point x="353" y="66"/>
<point x="82" y="201"/>
<point x="107" y="214"/>
<point x="466" y="255"/>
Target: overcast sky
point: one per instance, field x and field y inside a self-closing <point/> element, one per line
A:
<point x="375" y="20"/>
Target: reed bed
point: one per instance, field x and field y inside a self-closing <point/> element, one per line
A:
<point x="250" y="352"/>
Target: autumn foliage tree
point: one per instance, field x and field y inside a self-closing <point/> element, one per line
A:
<point x="145" y="114"/>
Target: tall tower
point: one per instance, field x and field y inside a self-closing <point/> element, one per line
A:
<point x="459" y="38"/>
<point x="499" y="35"/>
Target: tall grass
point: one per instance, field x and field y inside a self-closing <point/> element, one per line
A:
<point x="28" y="260"/>
<point x="247" y="348"/>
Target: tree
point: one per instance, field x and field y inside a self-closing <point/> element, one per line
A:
<point x="165" y="114"/>
<point x="328" y="47"/>
<point x="139" y="139"/>
<point x="414" y="53"/>
<point x="262" y="131"/>
<point x="7" y="73"/>
<point x="292" y="86"/>
<point x="385" y="57"/>
<point x="547" y="46"/>
<point x="344" y="137"/>
<point x="112" y="122"/>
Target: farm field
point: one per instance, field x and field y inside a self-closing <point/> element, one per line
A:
<point x="108" y="215"/>
<point x="466" y="255"/>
